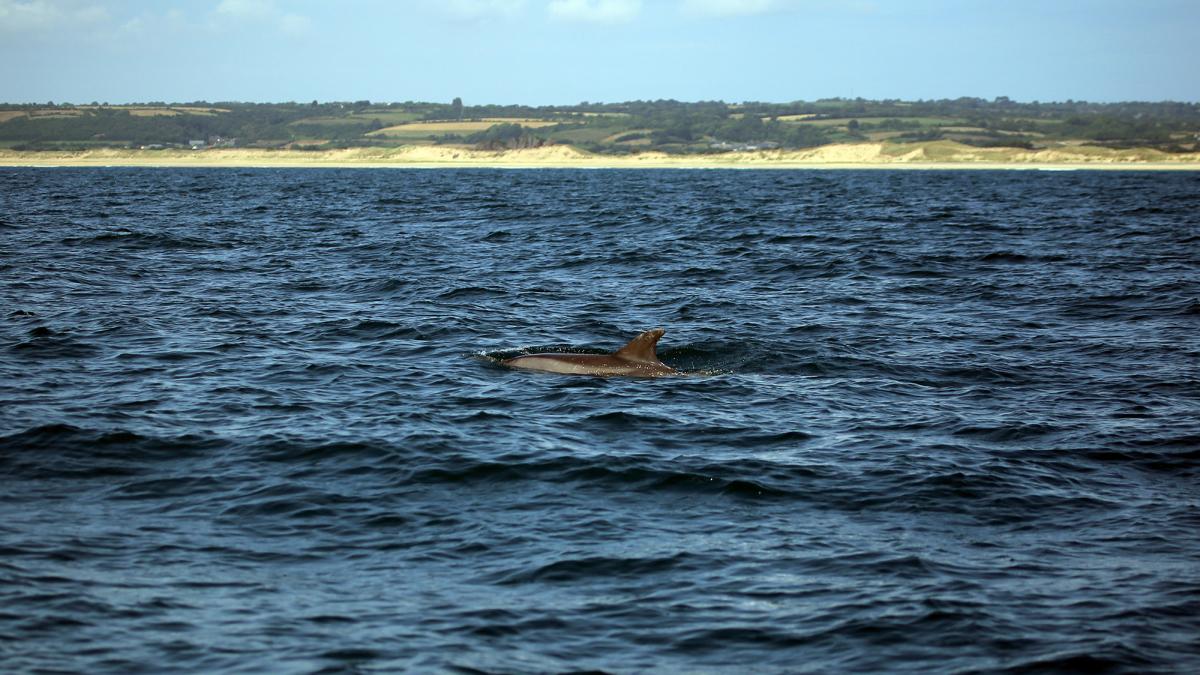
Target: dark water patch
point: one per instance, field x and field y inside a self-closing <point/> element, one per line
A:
<point x="1015" y="258"/>
<point x="62" y="450"/>
<point x="497" y="236"/>
<point x="167" y="488"/>
<point x="1006" y="433"/>
<point x="624" y="420"/>
<point x="368" y="330"/>
<point x="472" y="292"/>
<point x="283" y="502"/>
<point x="306" y="286"/>
<point x="1190" y="308"/>
<point x="1164" y="455"/>
<point x="608" y="569"/>
<point x="607" y="473"/>
<point x="1099" y="659"/>
<point x="376" y="286"/>
<point x="132" y="239"/>
<point x="43" y="342"/>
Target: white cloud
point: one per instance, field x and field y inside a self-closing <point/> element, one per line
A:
<point x="144" y="25"/>
<point x="264" y="11"/>
<point x="251" y="9"/>
<point x="26" y="15"/>
<point x="33" y="15"/>
<point x="595" y="11"/>
<point x="729" y="7"/>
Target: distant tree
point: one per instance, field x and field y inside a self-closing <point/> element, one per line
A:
<point x="747" y="128"/>
<point x="505" y="135"/>
<point x="681" y="131"/>
<point x="852" y="126"/>
<point x="456" y="108"/>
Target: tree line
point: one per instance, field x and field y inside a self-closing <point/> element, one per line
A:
<point x="665" y="123"/>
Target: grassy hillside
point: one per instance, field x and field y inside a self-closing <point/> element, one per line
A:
<point x="706" y="127"/>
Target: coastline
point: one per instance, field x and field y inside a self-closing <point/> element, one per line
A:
<point x="936" y="155"/>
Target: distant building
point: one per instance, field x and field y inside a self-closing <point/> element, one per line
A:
<point x="197" y="144"/>
<point x="744" y="147"/>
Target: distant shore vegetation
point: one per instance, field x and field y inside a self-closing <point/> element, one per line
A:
<point x="669" y="126"/>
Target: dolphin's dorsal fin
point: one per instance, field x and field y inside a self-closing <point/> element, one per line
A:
<point x="641" y="348"/>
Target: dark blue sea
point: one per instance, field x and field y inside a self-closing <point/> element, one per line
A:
<point x="255" y="421"/>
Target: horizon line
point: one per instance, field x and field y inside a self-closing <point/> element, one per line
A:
<point x="587" y="103"/>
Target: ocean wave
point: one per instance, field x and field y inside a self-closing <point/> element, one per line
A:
<point x="254" y="420"/>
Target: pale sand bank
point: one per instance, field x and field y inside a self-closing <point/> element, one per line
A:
<point x="934" y="155"/>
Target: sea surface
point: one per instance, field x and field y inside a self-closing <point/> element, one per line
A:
<point x="255" y="421"/>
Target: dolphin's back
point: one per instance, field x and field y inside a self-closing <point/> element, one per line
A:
<point x="587" y="364"/>
<point x="637" y="358"/>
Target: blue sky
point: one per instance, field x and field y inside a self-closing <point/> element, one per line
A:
<point x="546" y="52"/>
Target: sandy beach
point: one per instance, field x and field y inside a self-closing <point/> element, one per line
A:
<point x="932" y="155"/>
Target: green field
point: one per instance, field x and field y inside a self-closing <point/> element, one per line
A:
<point x="666" y="125"/>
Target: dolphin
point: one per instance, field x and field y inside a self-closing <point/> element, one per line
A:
<point x="635" y="359"/>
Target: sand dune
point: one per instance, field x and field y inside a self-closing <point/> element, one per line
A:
<point x="937" y="154"/>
